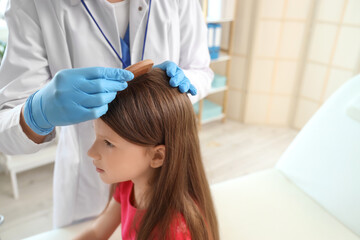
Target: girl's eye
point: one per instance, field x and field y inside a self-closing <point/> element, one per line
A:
<point x="108" y="143"/>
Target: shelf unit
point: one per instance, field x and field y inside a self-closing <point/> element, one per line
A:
<point x="224" y="56"/>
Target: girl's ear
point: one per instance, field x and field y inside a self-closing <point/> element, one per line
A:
<point x="158" y="156"/>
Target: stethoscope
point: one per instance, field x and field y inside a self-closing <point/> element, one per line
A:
<point x="107" y="40"/>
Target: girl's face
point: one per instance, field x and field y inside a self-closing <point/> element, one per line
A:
<point x="117" y="160"/>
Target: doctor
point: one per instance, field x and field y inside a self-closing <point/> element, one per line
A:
<point x="63" y="65"/>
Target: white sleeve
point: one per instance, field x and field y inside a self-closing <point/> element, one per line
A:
<point x="194" y="53"/>
<point x="23" y="71"/>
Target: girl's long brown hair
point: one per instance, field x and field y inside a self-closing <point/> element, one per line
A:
<point x="148" y="113"/>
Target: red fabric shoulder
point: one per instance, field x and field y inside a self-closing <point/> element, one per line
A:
<point x="122" y="190"/>
<point x="179" y="228"/>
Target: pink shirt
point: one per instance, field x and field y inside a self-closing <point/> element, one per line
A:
<point x="122" y="195"/>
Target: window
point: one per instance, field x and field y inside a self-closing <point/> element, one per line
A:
<point x="3" y="4"/>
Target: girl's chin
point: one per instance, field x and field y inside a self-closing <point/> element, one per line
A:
<point x="105" y="179"/>
<point x="109" y="181"/>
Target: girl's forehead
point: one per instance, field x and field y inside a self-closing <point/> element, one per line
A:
<point x="101" y="128"/>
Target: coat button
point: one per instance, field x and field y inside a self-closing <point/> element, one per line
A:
<point x="140" y="8"/>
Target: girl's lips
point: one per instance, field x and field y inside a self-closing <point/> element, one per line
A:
<point x="99" y="170"/>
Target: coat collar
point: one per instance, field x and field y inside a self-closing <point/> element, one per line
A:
<point x="137" y="19"/>
<point x="137" y="27"/>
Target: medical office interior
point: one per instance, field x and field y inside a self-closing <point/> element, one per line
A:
<point x="279" y="130"/>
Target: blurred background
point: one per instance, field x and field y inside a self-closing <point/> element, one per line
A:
<point x="276" y="63"/>
<point x="288" y="57"/>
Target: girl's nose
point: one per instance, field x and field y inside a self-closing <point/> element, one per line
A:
<point x="92" y="152"/>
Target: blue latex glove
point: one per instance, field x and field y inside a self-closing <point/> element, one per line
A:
<point x="74" y="96"/>
<point x="177" y="77"/>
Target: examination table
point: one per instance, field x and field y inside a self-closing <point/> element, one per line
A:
<point x="313" y="193"/>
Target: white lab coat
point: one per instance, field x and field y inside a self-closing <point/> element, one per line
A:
<point x="46" y="36"/>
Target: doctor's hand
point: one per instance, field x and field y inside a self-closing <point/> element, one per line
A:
<point x="74" y="96"/>
<point x="177" y="77"/>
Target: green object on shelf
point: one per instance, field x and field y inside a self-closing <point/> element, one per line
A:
<point x="218" y="81"/>
<point x="210" y="110"/>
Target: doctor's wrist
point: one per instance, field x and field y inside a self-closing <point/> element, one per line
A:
<point x="34" y="117"/>
<point x="36" y="138"/>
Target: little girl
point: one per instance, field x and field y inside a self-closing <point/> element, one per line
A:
<point x="147" y="146"/>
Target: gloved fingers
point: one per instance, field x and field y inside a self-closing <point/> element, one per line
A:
<point x="102" y="72"/>
<point x="96" y="112"/>
<point x="101" y="86"/>
<point x="177" y="78"/>
<point x="161" y="65"/>
<point x="169" y="67"/>
<point x="192" y="90"/>
<point x="97" y="100"/>
<point x="184" y="86"/>
<point x="117" y="74"/>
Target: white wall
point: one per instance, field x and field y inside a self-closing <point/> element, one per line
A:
<point x="289" y="56"/>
